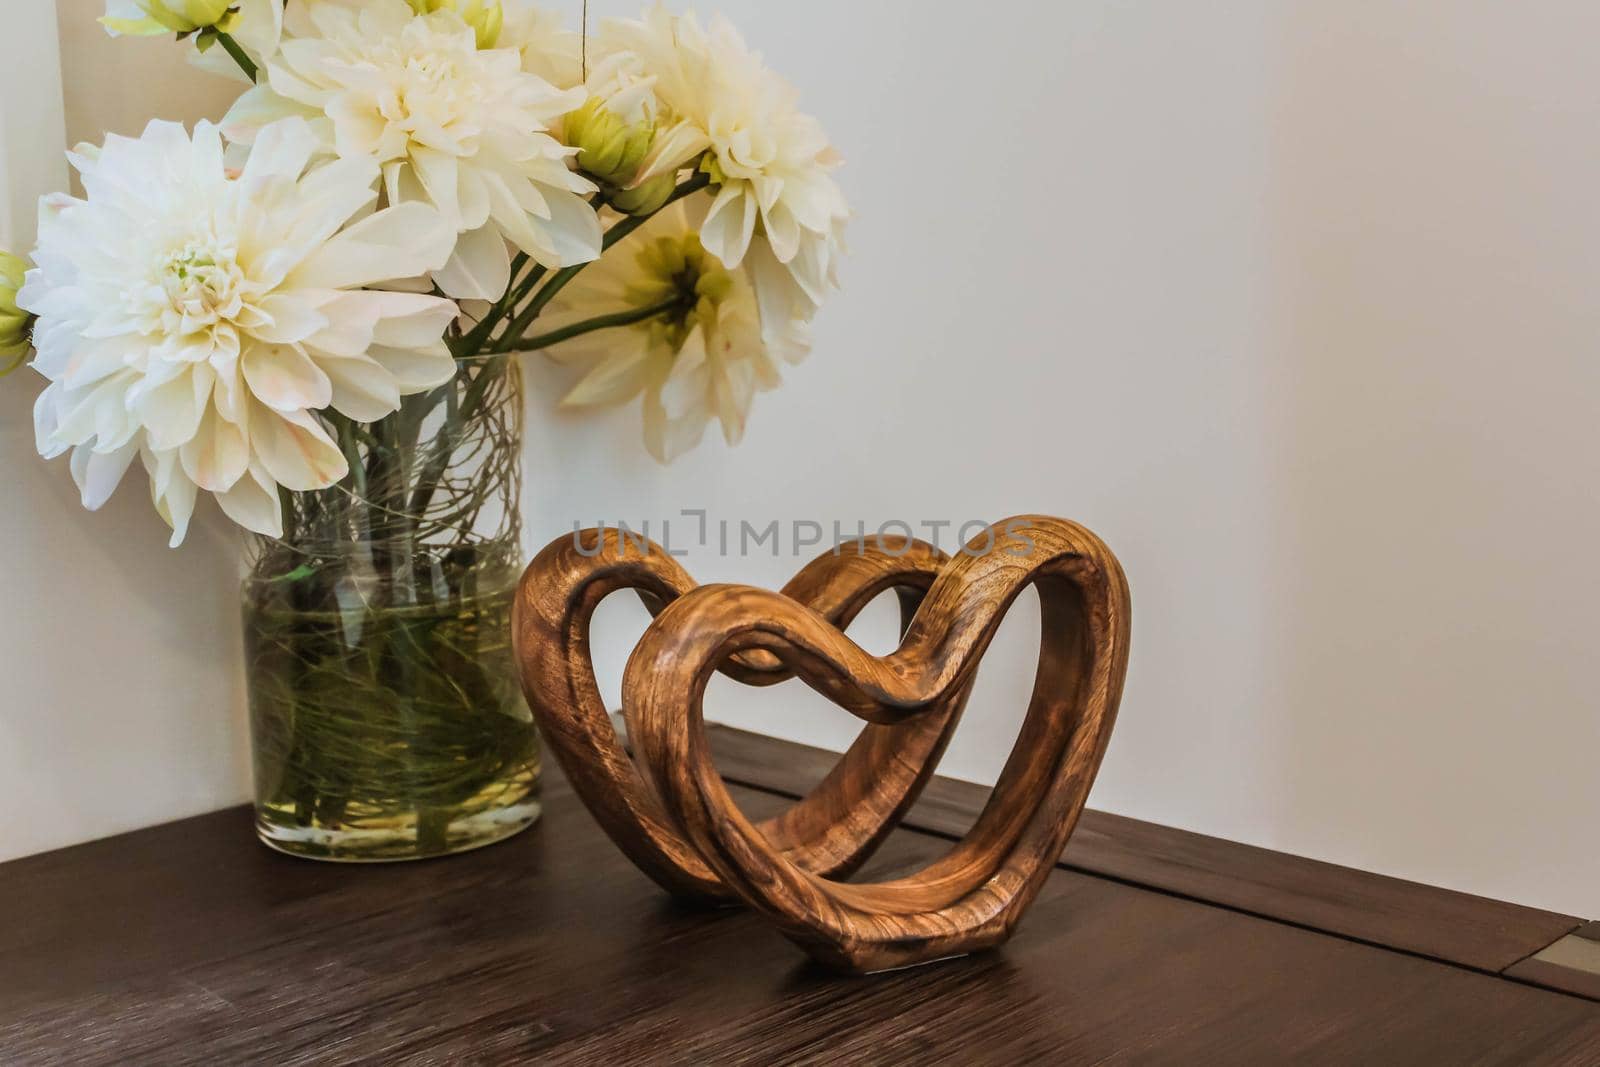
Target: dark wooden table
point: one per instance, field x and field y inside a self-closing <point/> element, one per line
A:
<point x="190" y="943"/>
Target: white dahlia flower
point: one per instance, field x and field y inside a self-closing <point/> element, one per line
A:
<point x="151" y="18"/>
<point x="776" y="198"/>
<point x="451" y="125"/>
<point x="484" y="16"/>
<point x="614" y="132"/>
<point x="201" y="320"/>
<point x="256" y="26"/>
<point x="258" y="30"/>
<point x="700" y="356"/>
<point x="548" y="49"/>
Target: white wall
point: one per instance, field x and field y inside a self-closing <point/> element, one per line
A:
<point x="1293" y="302"/>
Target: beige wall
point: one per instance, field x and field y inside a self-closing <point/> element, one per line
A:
<point x="1294" y="302"/>
<point x="119" y="85"/>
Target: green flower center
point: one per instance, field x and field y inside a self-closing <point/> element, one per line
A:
<point x="201" y="283"/>
<point x="679" y="270"/>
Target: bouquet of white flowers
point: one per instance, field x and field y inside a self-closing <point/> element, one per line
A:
<point x="310" y="310"/>
<point x="410" y="183"/>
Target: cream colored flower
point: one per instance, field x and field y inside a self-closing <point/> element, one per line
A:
<point x="257" y="28"/>
<point x="701" y="357"/>
<point x="201" y="321"/>
<point x="149" y="18"/>
<point x="460" y="129"/>
<point x="15" y="324"/>
<point x="776" y="200"/>
<point x="615" y="128"/>
<point x="548" y="48"/>
<point x="484" y="16"/>
<point x="615" y="132"/>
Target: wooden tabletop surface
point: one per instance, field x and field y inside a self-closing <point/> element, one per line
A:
<point x="190" y="943"/>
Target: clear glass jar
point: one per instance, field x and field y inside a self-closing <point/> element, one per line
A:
<point x="386" y="716"/>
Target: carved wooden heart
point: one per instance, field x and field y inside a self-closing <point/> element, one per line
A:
<point x="831" y="831"/>
<point x="678" y="821"/>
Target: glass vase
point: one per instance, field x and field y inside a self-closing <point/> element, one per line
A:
<point x="386" y="717"/>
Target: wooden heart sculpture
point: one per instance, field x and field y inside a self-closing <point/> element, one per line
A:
<point x="831" y="831"/>
<point x="677" y="821"/>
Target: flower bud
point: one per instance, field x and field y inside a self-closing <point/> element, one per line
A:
<point x="486" y="17"/>
<point x="145" y="18"/>
<point x="15" y="324"/>
<point x="609" y="147"/>
<point x="648" y="198"/>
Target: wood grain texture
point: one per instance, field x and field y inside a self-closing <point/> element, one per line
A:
<point x="831" y="829"/>
<point x="192" y="944"/>
<point x="974" y="897"/>
<point x="1460" y="928"/>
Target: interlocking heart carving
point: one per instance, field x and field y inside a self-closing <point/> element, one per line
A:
<point x="670" y="811"/>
